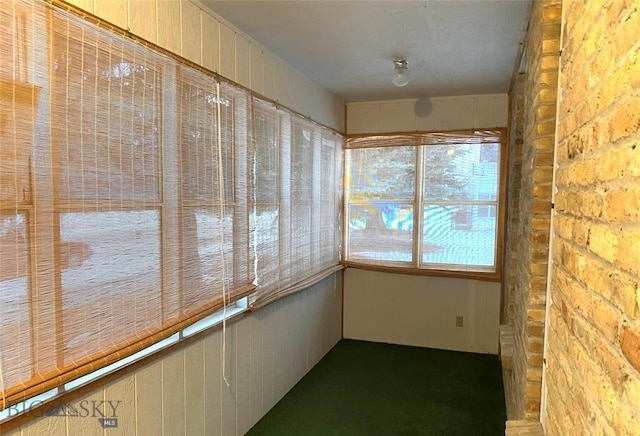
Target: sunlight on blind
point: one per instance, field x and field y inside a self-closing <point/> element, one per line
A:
<point x="115" y="231"/>
<point x="296" y="210"/>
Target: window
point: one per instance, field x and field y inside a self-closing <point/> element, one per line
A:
<point x="425" y="202"/>
<point x="124" y="197"/>
<point x="296" y="210"/>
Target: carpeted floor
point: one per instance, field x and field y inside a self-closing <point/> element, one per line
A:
<point x="365" y="388"/>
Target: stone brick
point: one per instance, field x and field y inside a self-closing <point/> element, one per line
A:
<point x="621" y="162"/>
<point x="623" y="204"/>
<point x="604" y="242"/>
<point x="605" y="318"/>
<point x="626" y="119"/>
<point x="628" y="253"/>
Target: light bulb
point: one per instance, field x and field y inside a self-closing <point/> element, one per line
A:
<point x="401" y="73"/>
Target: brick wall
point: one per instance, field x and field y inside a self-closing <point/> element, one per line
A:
<point x="594" y="337"/>
<point x="527" y="279"/>
<point x="516" y="130"/>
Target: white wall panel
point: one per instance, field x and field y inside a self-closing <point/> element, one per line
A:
<point x="243" y="375"/>
<point x="123" y="390"/>
<point x="143" y="20"/>
<point x="173" y="394"/>
<point x="210" y="42"/>
<point x="213" y="383"/>
<point x="257" y="58"/>
<point x="191" y="32"/>
<point x="194" y="382"/>
<point x="438" y="113"/>
<point x="256" y="369"/>
<point x="87" y="5"/>
<point x="149" y="412"/>
<point x="227" y="52"/>
<point x="114" y="11"/>
<point x="421" y="311"/>
<point x="243" y="66"/>
<point x="169" y="26"/>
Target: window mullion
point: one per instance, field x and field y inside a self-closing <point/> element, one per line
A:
<point x="417" y="207"/>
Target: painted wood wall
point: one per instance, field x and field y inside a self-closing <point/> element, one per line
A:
<point x="421" y="310"/>
<point x="192" y="31"/>
<point x="184" y="393"/>
<point x="267" y="352"/>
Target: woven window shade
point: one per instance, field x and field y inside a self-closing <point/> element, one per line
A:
<point x="123" y="197"/>
<point x="298" y="173"/>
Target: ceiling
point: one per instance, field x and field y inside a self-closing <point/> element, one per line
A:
<point x="455" y="47"/>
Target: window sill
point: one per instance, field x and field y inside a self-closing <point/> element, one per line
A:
<point x="488" y="276"/>
<point x="32" y="407"/>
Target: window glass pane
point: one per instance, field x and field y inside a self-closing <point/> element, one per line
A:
<point x="381" y="173"/>
<point x="266" y="224"/>
<point x="204" y="250"/>
<point x="99" y="82"/>
<point x="111" y="278"/>
<point x="266" y="159"/>
<point x="301" y="165"/>
<point x="15" y="323"/>
<point x="459" y="236"/>
<point x="300" y="241"/>
<point x="458" y="172"/>
<point x="199" y="138"/>
<point x="380" y="231"/>
<point x="329" y="254"/>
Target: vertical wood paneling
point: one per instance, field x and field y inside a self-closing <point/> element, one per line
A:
<point x="123" y="391"/>
<point x="229" y="396"/>
<point x="210" y="42"/>
<point x="269" y="73"/>
<point x="42" y="426"/>
<point x="243" y="66"/>
<point x="191" y="32"/>
<point x="243" y="374"/>
<point x="424" y="313"/>
<point x="89" y="409"/>
<point x="149" y="414"/>
<point x="86" y="5"/>
<point x="300" y="325"/>
<point x="227" y="52"/>
<point x="143" y="19"/>
<point x="183" y="393"/>
<point x="194" y="379"/>
<point x="114" y="11"/>
<point x="256" y="60"/>
<point x="279" y="81"/>
<point x="169" y="26"/>
<point x="257" y="328"/>
<point x="280" y="350"/>
<point x="268" y="356"/>
<point x="173" y="394"/>
<point x="212" y="384"/>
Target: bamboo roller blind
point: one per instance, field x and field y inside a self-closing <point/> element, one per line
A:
<point x="138" y="195"/>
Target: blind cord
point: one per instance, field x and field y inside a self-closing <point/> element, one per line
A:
<point x="225" y="296"/>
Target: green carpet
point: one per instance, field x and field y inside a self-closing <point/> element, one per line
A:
<point x="365" y="388"/>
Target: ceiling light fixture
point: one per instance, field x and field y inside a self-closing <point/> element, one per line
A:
<point x="401" y="74"/>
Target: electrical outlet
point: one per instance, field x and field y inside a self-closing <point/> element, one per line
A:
<point x="459" y="321"/>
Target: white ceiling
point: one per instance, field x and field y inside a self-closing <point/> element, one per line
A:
<point x="455" y="47"/>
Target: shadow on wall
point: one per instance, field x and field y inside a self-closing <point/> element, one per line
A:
<point x="423" y="107"/>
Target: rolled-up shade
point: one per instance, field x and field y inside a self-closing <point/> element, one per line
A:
<point x="124" y="197"/>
